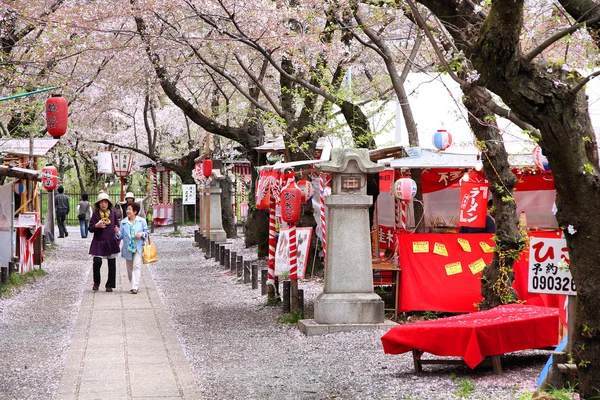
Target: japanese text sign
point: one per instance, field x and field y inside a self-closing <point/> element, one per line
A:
<point x="189" y="195"/>
<point x="549" y="271"/>
<point x="473" y="204"/>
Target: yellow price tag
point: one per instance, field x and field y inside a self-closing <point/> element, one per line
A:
<point x="477" y="266"/>
<point x="454" y="268"/>
<point x="440" y="248"/>
<point x="464" y="243"/>
<point x="486" y="247"/>
<point x="420" y="247"/>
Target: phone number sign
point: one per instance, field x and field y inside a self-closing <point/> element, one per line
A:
<point x="549" y="271"/>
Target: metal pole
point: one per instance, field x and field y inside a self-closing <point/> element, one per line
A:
<point x="28" y="93"/>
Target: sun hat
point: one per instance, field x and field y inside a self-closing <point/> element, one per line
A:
<point x="129" y="195"/>
<point x="103" y="196"/>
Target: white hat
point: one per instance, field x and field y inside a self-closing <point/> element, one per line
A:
<point x="103" y="196"/>
<point x="129" y="195"/>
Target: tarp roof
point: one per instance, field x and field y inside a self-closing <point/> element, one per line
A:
<point x="443" y="159"/>
<point x="20" y="147"/>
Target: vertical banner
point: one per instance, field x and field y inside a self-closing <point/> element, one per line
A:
<point x="473" y="204"/>
<point x="386" y="178"/>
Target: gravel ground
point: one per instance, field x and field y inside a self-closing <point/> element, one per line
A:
<point x="235" y="344"/>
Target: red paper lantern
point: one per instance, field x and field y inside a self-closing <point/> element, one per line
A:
<point x="290" y="203"/>
<point x="49" y="177"/>
<point x="265" y="202"/>
<point x="207" y="168"/>
<point x="386" y="178"/>
<point x="57" y="113"/>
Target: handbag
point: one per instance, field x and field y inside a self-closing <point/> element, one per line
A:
<point x="81" y="216"/>
<point x="149" y="252"/>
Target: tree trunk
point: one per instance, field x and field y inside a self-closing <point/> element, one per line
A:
<point x="497" y="278"/>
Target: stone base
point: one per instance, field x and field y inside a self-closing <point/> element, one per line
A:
<point x="219" y="236"/>
<point x="349" y="308"/>
<point x="311" y="328"/>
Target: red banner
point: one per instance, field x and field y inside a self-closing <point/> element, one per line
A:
<point x="473" y="204"/>
<point x="386" y="178"/>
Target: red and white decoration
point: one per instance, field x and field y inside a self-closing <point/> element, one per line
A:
<point x="49" y="177"/>
<point x="405" y="189"/>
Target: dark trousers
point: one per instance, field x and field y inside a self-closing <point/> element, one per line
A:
<point x="112" y="271"/>
<point x="61" y="216"/>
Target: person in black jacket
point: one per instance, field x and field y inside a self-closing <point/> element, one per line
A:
<point x="61" y="206"/>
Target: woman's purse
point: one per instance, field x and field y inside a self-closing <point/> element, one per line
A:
<point x="149" y="252"/>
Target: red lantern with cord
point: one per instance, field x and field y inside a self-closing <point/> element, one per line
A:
<point x="49" y="177"/>
<point x="57" y="114"/>
<point x="207" y="166"/>
<point x="290" y="203"/>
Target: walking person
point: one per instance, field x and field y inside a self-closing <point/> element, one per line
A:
<point x="133" y="230"/>
<point x="84" y="213"/>
<point x="61" y="206"/>
<point x="104" y="224"/>
<point x="129" y="198"/>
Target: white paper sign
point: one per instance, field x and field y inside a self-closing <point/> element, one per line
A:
<point x="282" y="251"/>
<point x="105" y="162"/>
<point x="189" y="195"/>
<point x="549" y="271"/>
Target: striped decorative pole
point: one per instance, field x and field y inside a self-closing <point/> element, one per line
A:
<point x="323" y="216"/>
<point x="272" y="245"/>
<point x="293" y="253"/>
<point x="397" y="207"/>
<point x="403" y="207"/>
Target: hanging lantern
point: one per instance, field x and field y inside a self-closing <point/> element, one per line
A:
<point x="122" y="163"/>
<point x="442" y="139"/>
<point x="264" y="202"/>
<point x="290" y="203"/>
<point x="207" y="166"/>
<point x="57" y="113"/>
<point x="539" y="159"/>
<point x="19" y="188"/>
<point x="405" y="189"/>
<point x="386" y="178"/>
<point x="49" y="177"/>
<point x="306" y="189"/>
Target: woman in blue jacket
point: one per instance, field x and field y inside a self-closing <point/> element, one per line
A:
<point x="133" y="231"/>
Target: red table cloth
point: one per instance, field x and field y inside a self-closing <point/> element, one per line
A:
<point x="503" y="329"/>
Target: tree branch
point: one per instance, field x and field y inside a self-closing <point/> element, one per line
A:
<point x="556" y="37"/>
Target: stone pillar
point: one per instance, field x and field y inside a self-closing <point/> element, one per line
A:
<point x="217" y="233"/>
<point x="348" y="301"/>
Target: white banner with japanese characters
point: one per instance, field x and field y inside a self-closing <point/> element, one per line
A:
<point x="189" y="195"/>
<point x="549" y="270"/>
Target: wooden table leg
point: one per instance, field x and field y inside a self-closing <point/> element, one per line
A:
<point x="417" y="360"/>
<point x="497" y="365"/>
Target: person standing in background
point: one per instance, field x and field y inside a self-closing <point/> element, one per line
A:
<point x="84" y="213"/>
<point x="61" y="205"/>
<point x="129" y="198"/>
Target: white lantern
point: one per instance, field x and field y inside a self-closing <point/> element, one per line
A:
<point x="122" y="164"/>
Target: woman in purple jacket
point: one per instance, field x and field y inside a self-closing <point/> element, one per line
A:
<point x="104" y="224"/>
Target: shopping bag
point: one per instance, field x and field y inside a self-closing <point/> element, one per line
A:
<point x="149" y="252"/>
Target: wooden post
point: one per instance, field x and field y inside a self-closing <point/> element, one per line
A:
<point x="227" y="259"/>
<point x="4" y="275"/>
<point x="286" y="296"/>
<point x="263" y="282"/>
<point x="246" y="271"/>
<point x="294" y="295"/>
<point x="239" y="265"/>
<point x="207" y="189"/>
<point x="222" y="255"/>
<point x="217" y="251"/>
<point x="201" y="211"/>
<point x="233" y="265"/>
<point x="254" y="276"/>
<point x="301" y="301"/>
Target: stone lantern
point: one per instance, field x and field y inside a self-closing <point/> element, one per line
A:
<point x="348" y="301"/>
